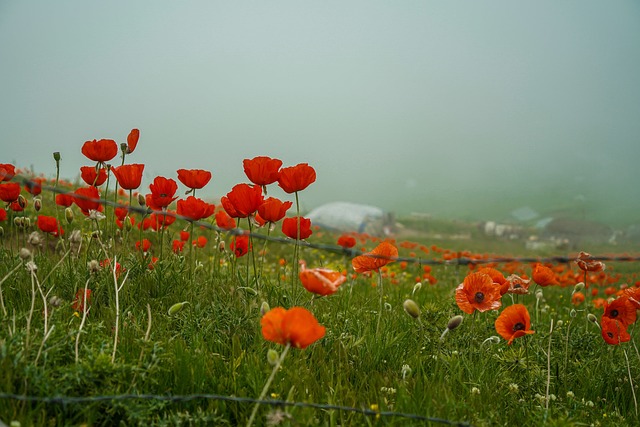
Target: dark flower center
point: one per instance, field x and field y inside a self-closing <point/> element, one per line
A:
<point x="518" y="326"/>
<point x="614" y="313"/>
<point x="479" y="297"/>
<point x="517" y="285"/>
<point x="610" y="335"/>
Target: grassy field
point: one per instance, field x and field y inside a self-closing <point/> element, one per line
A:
<point x="131" y="338"/>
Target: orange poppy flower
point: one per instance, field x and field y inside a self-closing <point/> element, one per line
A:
<point x="195" y="179"/>
<point x="224" y="221"/>
<point x="613" y="331"/>
<point x="585" y="263"/>
<point x="102" y="150"/>
<point x="380" y="256"/>
<point x="346" y="242"/>
<point x="514" y="322"/>
<point x="262" y="170"/>
<point x="321" y="281"/>
<point x="91" y="177"/>
<point x="620" y="309"/>
<point x="129" y="176"/>
<point x="195" y="208"/>
<point x="290" y="227"/>
<point x="478" y="292"/>
<point x="132" y="140"/>
<point x="577" y="298"/>
<point x="296" y="326"/>
<point x="544" y="276"/>
<point x="515" y="284"/>
<point x="240" y="246"/>
<point x="242" y="201"/>
<point x="48" y="224"/>
<point x="7" y="171"/>
<point x="634" y="296"/>
<point x="80" y="300"/>
<point x="9" y="192"/>
<point x="163" y="191"/>
<point x="273" y="210"/>
<point x="34" y="186"/>
<point x="87" y="199"/>
<point x="296" y="178"/>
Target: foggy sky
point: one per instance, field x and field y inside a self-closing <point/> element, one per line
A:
<point x="443" y="107"/>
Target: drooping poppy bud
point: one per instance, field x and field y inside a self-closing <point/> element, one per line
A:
<point x="411" y="308"/>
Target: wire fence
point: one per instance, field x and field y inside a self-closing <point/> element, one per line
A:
<point x="457" y="259"/>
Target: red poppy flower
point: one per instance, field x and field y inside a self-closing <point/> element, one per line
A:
<point x="132" y="140"/>
<point x="514" y="322"/>
<point x="100" y="151"/>
<point x="195" y="208"/>
<point x="129" y="176"/>
<point x="121" y="222"/>
<point x="243" y="200"/>
<point x="163" y="191"/>
<point x="240" y="245"/>
<point x="7" y="171"/>
<point x="87" y="199"/>
<point x="262" y="170"/>
<point x="296" y="326"/>
<point x="200" y="242"/>
<point x="224" y="221"/>
<point x="478" y="292"/>
<point x="613" y="331"/>
<point x="34" y="186"/>
<point x="379" y="257"/>
<point x="121" y="212"/>
<point x="184" y="236"/>
<point x="194" y="178"/>
<point x="80" y="300"/>
<point x="273" y="210"/>
<point x="290" y="227"/>
<point x="321" y="281"/>
<point x="296" y="178"/>
<point x="622" y="310"/>
<point x="91" y="177"/>
<point x="577" y="298"/>
<point x="145" y="245"/>
<point x="47" y="224"/>
<point x="16" y="206"/>
<point x="64" y="199"/>
<point x="9" y="192"/>
<point x="585" y="263"/>
<point x="3" y="214"/>
<point x="159" y="220"/>
<point x="544" y="276"/>
<point x="177" y="246"/>
<point x="346" y="242"/>
<point x="106" y="263"/>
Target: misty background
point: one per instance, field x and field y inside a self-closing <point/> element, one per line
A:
<point x="465" y="109"/>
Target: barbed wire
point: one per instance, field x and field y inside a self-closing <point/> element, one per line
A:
<point x="65" y="400"/>
<point x="457" y="260"/>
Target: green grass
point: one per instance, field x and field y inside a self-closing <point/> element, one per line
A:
<point x="214" y="345"/>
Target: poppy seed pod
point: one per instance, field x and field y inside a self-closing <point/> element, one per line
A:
<point x="124" y="148"/>
<point x="56" y="156"/>
<point x="272" y="357"/>
<point x="454" y="322"/>
<point x="68" y="215"/>
<point x="37" y="204"/>
<point x="411" y="308"/>
<point x="141" y="200"/>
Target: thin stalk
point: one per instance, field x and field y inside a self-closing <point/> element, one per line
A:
<point x="33" y="303"/>
<point x="381" y="292"/>
<point x="635" y="402"/>
<point x="85" y="310"/>
<point x="546" y="396"/>
<point x="4" y="309"/>
<point x="267" y="385"/>
<point x="253" y="255"/>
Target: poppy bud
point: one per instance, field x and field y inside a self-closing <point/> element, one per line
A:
<point x="22" y="201"/>
<point x="272" y="357"/>
<point x="573" y="313"/>
<point x="539" y="294"/>
<point x="264" y="308"/>
<point x="559" y="324"/>
<point x="68" y="215"/>
<point x="141" y="200"/>
<point x="56" y="156"/>
<point x="18" y="221"/>
<point x="124" y="148"/>
<point x="416" y="288"/>
<point x="592" y="318"/>
<point x="34" y="239"/>
<point x="24" y="254"/>
<point x="177" y="307"/>
<point x="405" y="371"/>
<point x="127" y="223"/>
<point x="26" y="222"/>
<point x="387" y="306"/>
<point x="37" y="205"/>
<point x="1" y="232"/>
<point x="411" y="308"/>
<point x="454" y="322"/>
<point x="491" y="340"/>
<point x="578" y="287"/>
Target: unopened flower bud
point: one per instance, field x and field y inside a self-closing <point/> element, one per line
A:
<point x="1" y="232"/>
<point x="22" y="201"/>
<point x="454" y="322"/>
<point x="411" y="308"/>
<point x="124" y="148"/>
<point x="68" y="215"/>
<point x="26" y="222"/>
<point x="416" y="288"/>
<point x="264" y="308"/>
<point x="141" y="200"/>
<point x="24" y="254"/>
<point x="56" y="156"/>
<point x="573" y="313"/>
<point x="18" y="221"/>
<point x="592" y="318"/>
<point x="37" y="204"/>
<point x="539" y="294"/>
<point x="272" y="357"/>
<point x="177" y="307"/>
<point x="127" y="223"/>
<point x="578" y="287"/>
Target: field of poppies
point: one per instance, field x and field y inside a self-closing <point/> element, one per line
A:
<point x="131" y="303"/>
